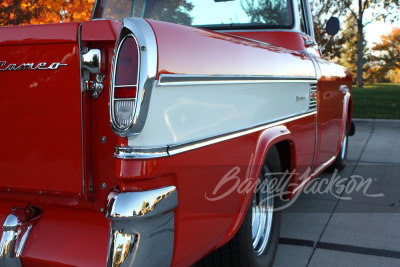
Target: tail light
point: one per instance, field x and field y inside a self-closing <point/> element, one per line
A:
<point x="125" y="82"/>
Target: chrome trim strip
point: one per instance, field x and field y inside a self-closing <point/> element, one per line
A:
<point x="146" y="153"/>
<point x="190" y="79"/>
<point x="83" y="88"/>
<point x="316" y="66"/>
<point x="318" y="75"/>
<point x="140" y="153"/>
<point x="320" y="168"/>
<point x="259" y="30"/>
<point x="142" y="222"/>
<point x="176" y="149"/>
<point x="94" y="9"/>
<point x="148" y="58"/>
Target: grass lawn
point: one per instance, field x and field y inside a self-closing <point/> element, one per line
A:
<point x="377" y="101"/>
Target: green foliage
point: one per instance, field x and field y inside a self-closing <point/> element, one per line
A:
<point x="377" y="101"/>
<point x="19" y="12"/>
<point x="176" y="11"/>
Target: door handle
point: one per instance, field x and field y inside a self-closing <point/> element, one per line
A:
<point x="344" y="89"/>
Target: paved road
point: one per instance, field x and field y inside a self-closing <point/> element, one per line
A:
<point x="324" y="230"/>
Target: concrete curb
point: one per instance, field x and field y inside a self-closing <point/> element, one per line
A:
<point x="377" y="120"/>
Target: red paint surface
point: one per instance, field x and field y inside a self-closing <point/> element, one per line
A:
<point x="197" y="173"/>
<point x="286" y="39"/>
<point x="100" y="30"/>
<point x="39" y="34"/>
<point x="41" y="114"/>
<point x="82" y="232"/>
<point x="207" y="52"/>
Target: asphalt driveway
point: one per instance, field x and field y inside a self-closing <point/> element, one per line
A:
<point x="355" y="220"/>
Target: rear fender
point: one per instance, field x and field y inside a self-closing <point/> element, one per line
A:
<point x="267" y="139"/>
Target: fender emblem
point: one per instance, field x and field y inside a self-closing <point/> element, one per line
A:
<point x="30" y="66"/>
<point x="300" y="98"/>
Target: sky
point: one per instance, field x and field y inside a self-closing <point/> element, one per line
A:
<point x="374" y="31"/>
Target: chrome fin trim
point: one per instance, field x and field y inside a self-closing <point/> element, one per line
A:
<point x="147" y="48"/>
<point x="142" y="222"/>
<point x="190" y="79"/>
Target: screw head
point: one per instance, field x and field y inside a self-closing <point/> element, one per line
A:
<point x="101" y="210"/>
<point x="100" y="78"/>
<point x="40" y="192"/>
<point x="103" y="139"/>
<point x="143" y="48"/>
<point x="103" y="186"/>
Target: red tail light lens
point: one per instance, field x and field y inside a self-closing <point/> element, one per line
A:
<point x="127" y="63"/>
<point x="125" y="83"/>
<point x="125" y="92"/>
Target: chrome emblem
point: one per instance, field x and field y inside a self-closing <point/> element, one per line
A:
<point x="30" y="66"/>
<point x="313" y="96"/>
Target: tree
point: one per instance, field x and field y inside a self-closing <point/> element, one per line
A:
<point x="348" y="51"/>
<point x="22" y="12"/>
<point x="272" y="12"/>
<point x="19" y="12"/>
<point x="334" y="49"/>
<point x="176" y="11"/>
<point x="55" y="11"/>
<point x="379" y="10"/>
<point x="389" y="51"/>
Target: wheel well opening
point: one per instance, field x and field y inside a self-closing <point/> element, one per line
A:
<point x="284" y="155"/>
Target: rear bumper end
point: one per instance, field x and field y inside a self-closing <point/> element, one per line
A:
<point x="142" y="230"/>
<point x="138" y="230"/>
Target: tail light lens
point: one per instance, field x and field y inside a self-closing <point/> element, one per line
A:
<point x="125" y="83"/>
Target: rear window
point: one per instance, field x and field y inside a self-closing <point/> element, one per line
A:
<point x="212" y="14"/>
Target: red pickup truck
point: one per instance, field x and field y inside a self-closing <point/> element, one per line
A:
<point x="152" y="134"/>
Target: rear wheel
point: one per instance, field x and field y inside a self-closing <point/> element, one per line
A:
<point x="256" y="241"/>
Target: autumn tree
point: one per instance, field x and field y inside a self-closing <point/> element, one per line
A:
<point x="389" y="50"/>
<point x="55" y="11"/>
<point x="376" y="10"/>
<point x="19" y="12"/>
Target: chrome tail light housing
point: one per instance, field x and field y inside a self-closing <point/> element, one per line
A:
<point x="133" y="73"/>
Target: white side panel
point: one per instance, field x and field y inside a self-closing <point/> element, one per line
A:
<point x="183" y="113"/>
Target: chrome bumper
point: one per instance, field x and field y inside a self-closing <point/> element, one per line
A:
<point x="142" y="229"/>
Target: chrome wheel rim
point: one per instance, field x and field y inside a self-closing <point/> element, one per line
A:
<point x="261" y="222"/>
